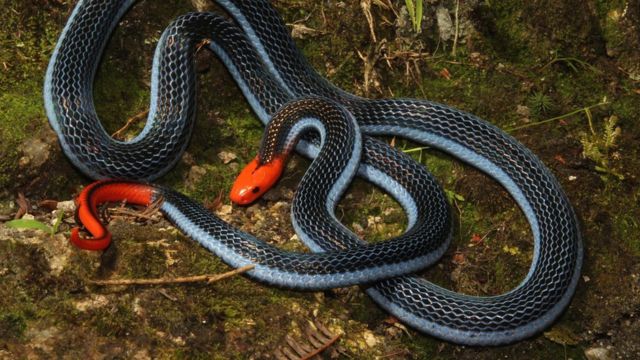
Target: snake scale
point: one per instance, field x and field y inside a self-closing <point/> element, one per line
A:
<point x="256" y="48"/>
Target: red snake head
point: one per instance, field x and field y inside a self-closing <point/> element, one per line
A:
<point x="255" y="180"/>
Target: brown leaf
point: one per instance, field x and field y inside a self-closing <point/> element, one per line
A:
<point x="48" y="204"/>
<point x="23" y="206"/>
<point x="476" y="239"/>
<point x="458" y="258"/>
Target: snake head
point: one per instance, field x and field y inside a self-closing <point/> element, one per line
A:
<point x="255" y="180"/>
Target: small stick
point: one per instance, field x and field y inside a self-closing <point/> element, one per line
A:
<point x="130" y="122"/>
<point x="180" y="280"/>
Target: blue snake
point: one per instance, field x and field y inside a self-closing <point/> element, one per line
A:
<point x="272" y="74"/>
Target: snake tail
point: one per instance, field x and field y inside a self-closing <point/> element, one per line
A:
<point x="98" y="193"/>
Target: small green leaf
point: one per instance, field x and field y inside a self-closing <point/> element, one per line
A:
<point x="418" y="23"/>
<point x="411" y="9"/>
<point x="29" y="224"/>
<point x="56" y="226"/>
<point x="452" y="195"/>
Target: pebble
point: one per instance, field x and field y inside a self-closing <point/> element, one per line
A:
<point x="36" y="153"/>
<point x="224" y="210"/>
<point x="523" y="111"/>
<point x="68" y="206"/>
<point x="598" y="353"/>
<point x="227" y="157"/>
<point x="370" y="338"/>
<point x="195" y="175"/>
<point x="445" y="24"/>
<point x="96" y="301"/>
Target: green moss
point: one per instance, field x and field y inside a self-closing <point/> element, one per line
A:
<point x="423" y="347"/>
<point x="21" y="115"/>
<point x="501" y="24"/>
<point x="115" y="320"/>
<point x="627" y="228"/>
<point x="12" y="326"/>
<point x="613" y="29"/>
<point x="119" y="95"/>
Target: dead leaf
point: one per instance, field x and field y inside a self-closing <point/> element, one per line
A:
<point x="476" y="239"/>
<point x="215" y="204"/>
<point x="445" y="73"/>
<point x="562" y="335"/>
<point x="458" y="258"/>
<point x="48" y="204"/>
<point x="23" y="206"/>
<point x="560" y="159"/>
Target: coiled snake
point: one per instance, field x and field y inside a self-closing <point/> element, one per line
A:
<point x="271" y="72"/>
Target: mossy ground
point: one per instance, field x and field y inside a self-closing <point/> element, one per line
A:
<point x="514" y="53"/>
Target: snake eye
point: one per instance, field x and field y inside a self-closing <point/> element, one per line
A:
<point x="255" y="190"/>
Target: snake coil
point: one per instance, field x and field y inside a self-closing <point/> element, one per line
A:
<point x="271" y="72"/>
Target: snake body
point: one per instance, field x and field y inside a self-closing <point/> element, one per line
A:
<point x="271" y="72"/>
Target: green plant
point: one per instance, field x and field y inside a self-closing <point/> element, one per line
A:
<point x="540" y="103"/>
<point x="415" y="13"/>
<point x="572" y="62"/>
<point x="598" y="146"/>
<point x="36" y="225"/>
<point x="453" y="196"/>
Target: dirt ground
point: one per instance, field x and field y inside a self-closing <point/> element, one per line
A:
<point x="561" y="77"/>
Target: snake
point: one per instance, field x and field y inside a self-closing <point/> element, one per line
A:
<point x="255" y="46"/>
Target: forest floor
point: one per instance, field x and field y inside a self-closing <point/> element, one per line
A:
<point x="568" y="90"/>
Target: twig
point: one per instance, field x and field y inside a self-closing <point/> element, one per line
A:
<point x="122" y="212"/>
<point x="146" y="214"/>
<point x="366" y="9"/>
<point x="455" y="37"/>
<point x="406" y="55"/>
<point x="180" y="280"/>
<point x="584" y="109"/>
<point x="370" y="61"/>
<point x="130" y="122"/>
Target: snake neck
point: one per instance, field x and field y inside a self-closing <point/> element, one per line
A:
<point x="303" y="120"/>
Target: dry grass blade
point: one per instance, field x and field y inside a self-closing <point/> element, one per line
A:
<point x="317" y="339"/>
<point x="366" y="9"/>
<point x="146" y="214"/>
